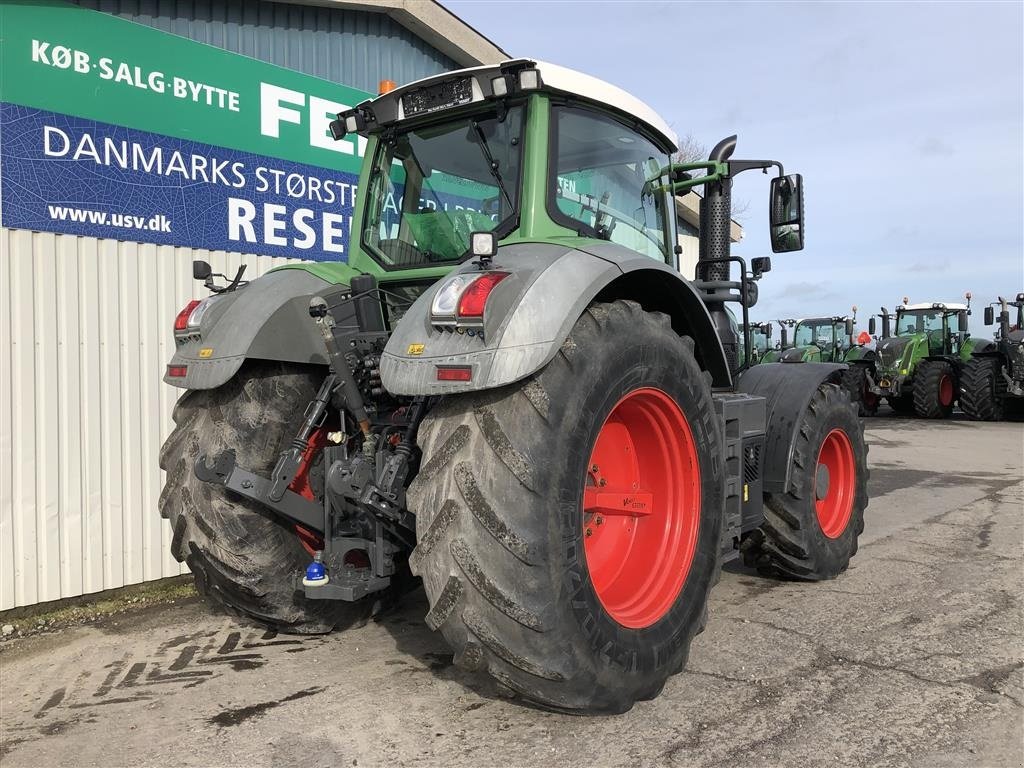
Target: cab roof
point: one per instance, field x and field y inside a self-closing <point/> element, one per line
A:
<point x="391" y="107"/>
<point x="931" y="305"/>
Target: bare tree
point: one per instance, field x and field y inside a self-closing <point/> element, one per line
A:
<point x="693" y="150"/>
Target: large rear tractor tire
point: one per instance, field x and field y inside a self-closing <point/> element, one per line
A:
<point x="980" y="394"/>
<point x="568" y="525"/>
<point x="810" y="532"/>
<point x="935" y="388"/>
<point x="243" y="558"/>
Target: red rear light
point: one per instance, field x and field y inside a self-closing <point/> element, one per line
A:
<point x="177" y="371"/>
<point x="454" y="373"/>
<point x="474" y="297"/>
<point x="181" y="321"/>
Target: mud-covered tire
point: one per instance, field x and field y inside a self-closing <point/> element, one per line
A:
<point x="980" y="395"/>
<point x="935" y="387"/>
<point x="796" y="541"/>
<point x="244" y="560"/>
<point x="500" y="526"/>
<point x="855" y="382"/>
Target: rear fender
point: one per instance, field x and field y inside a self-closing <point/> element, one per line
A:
<point x="530" y="313"/>
<point x="788" y="389"/>
<point x="267" y="319"/>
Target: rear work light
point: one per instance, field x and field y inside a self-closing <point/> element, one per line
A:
<point x="181" y="321"/>
<point x="454" y="373"/>
<point x="464" y="297"/>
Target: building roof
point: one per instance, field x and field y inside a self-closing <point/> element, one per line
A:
<point x="431" y="22"/>
<point x="688" y="209"/>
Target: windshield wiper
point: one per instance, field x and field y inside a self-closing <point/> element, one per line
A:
<point x="492" y="164"/>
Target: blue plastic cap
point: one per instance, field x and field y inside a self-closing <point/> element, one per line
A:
<point x="316" y="572"/>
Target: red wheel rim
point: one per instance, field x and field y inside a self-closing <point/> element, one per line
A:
<point x="835" y="481"/>
<point x="310" y="541"/>
<point x="946" y="390"/>
<point x="641" y="508"/>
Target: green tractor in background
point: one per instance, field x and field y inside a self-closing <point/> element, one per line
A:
<point x="830" y="340"/>
<point x="994" y="376"/>
<point x="760" y="338"/>
<point x="918" y="368"/>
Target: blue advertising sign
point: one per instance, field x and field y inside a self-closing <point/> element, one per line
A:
<point x="81" y="176"/>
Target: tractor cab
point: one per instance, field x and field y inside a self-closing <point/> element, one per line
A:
<point x="815" y="339"/>
<point x="519" y="151"/>
<point x="823" y="339"/>
<point x="943" y="326"/>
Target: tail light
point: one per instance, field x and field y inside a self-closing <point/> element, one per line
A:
<point x="181" y="321"/>
<point x="474" y="297"/>
<point x="192" y="315"/>
<point x="454" y="373"/>
<point x="464" y="297"/>
<point x="177" y="371"/>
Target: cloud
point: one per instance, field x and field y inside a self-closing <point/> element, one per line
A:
<point x="804" y="290"/>
<point x="934" y="147"/>
<point x="928" y="266"/>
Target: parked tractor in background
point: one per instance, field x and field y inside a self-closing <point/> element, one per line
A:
<point x="993" y="379"/>
<point x="918" y="368"/>
<point x="760" y="339"/>
<point x="510" y="391"/>
<point x="830" y="340"/>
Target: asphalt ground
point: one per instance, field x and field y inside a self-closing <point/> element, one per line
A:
<point x="913" y="657"/>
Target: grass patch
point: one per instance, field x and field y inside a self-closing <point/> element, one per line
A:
<point x="85" y="609"/>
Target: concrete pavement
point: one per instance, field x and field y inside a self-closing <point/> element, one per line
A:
<point x="914" y="657"/>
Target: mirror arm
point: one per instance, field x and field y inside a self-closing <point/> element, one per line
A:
<point x="739" y="166"/>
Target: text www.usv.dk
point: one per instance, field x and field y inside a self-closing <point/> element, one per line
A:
<point x="158" y="223"/>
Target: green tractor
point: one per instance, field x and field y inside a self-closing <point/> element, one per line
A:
<point x="994" y="376"/>
<point x="918" y="368"/>
<point x="510" y="392"/>
<point x="760" y="340"/>
<point x="830" y="340"/>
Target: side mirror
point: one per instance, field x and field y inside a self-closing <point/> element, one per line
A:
<point x="201" y="269"/>
<point x="990" y="315"/>
<point x="785" y="335"/>
<point x="871" y="326"/>
<point x="768" y="331"/>
<point x="786" y="206"/>
<point x="849" y="327"/>
<point x="760" y="265"/>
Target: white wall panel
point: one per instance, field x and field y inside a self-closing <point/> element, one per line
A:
<point x="85" y="333"/>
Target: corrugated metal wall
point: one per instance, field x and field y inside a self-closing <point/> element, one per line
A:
<point x="356" y="48"/>
<point x="85" y="328"/>
<point x="85" y="333"/>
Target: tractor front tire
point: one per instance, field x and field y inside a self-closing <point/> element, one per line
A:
<point x="568" y="525"/>
<point x="902" y="405"/>
<point x="855" y="381"/>
<point x="243" y="558"/>
<point x="980" y="393"/>
<point x="934" y="389"/>
<point x="810" y="532"/>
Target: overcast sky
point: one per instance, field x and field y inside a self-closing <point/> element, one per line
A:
<point x="906" y="120"/>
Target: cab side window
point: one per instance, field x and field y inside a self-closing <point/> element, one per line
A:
<point x="605" y="174"/>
